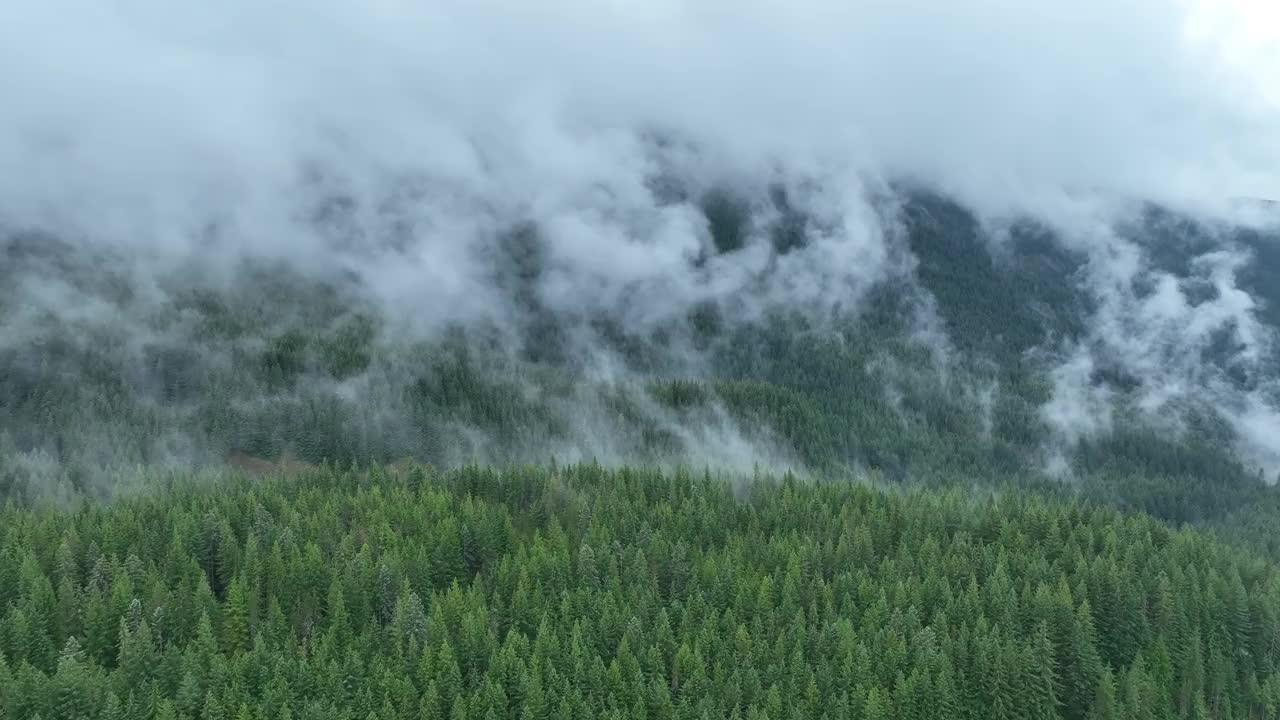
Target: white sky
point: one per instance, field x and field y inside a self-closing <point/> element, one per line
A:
<point x="132" y="113"/>
<point x="1247" y="33"/>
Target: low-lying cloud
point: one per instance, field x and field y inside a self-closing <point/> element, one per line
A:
<point x="403" y="146"/>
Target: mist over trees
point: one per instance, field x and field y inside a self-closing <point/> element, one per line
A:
<point x="261" y="495"/>
<point x="659" y="361"/>
<point x="988" y="356"/>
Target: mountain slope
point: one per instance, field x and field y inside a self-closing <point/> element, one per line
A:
<point x="1137" y="358"/>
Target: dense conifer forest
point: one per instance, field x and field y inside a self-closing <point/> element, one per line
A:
<point x="651" y="360"/>
<point x="581" y="592"/>
<point x="267" y="499"/>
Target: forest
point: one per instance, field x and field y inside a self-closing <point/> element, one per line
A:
<point x="265" y="499"/>
<point x="645" y="360"/>
<point x="583" y="592"/>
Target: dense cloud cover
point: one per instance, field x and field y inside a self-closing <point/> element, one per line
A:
<point x="185" y="128"/>
<point x="403" y="143"/>
<point x="140" y="113"/>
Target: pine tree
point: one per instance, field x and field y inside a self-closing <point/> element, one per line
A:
<point x="235" y="620"/>
<point x="876" y="706"/>
<point x="430" y="706"/>
<point x="337" y="623"/>
<point x="71" y="682"/>
<point x="113" y="709"/>
<point x="1041" y="678"/>
<point x="166" y="711"/>
<point x="190" y="695"/>
<point x="1105" y="704"/>
<point x="448" y="676"/>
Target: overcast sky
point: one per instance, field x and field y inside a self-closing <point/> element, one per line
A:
<point x="123" y="115"/>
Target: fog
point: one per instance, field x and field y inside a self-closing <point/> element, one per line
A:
<point x="402" y="144"/>
<point x="140" y="118"/>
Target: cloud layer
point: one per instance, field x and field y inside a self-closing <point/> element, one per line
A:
<point x="411" y="143"/>
<point x="138" y="113"/>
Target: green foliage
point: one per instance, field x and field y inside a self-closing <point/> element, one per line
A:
<point x="370" y="587"/>
<point x="999" y="303"/>
<point x="580" y="592"/>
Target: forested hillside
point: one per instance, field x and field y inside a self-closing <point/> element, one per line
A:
<point x="674" y="360"/>
<point x="581" y="592"/>
<point x="1032" y="488"/>
<point x="990" y="353"/>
